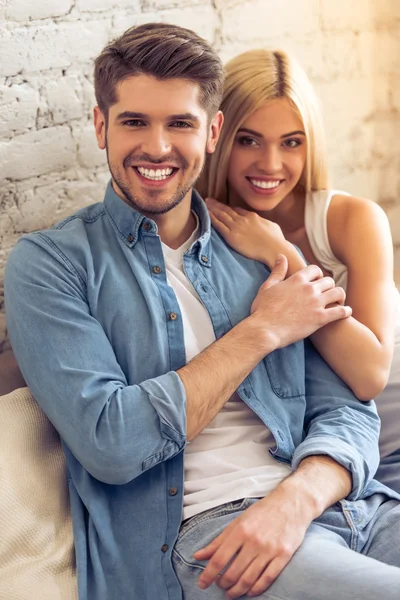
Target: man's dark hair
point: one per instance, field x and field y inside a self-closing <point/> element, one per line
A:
<point x="163" y="51"/>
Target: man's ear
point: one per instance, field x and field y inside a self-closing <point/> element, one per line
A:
<point x="100" y="127"/>
<point x="214" y="132"/>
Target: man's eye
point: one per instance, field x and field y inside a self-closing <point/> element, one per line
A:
<point x="133" y="123"/>
<point x="181" y="124"/>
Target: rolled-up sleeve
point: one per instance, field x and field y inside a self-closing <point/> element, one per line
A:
<point x="115" y="430"/>
<point x="337" y="424"/>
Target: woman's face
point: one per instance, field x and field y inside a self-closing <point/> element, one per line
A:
<point x="268" y="157"/>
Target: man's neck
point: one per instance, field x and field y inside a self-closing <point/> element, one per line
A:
<point x="176" y="226"/>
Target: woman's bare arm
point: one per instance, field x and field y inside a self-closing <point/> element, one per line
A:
<point x="358" y="348"/>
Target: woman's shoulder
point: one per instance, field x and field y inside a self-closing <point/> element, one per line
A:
<point x="351" y="219"/>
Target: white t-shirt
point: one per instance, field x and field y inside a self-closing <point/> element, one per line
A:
<point x="230" y="459"/>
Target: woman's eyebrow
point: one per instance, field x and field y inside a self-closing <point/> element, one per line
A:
<point x="299" y="132"/>
<point x="251" y="131"/>
<point x="257" y="134"/>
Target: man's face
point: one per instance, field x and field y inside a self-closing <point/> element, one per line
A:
<point x="156" y="139"/>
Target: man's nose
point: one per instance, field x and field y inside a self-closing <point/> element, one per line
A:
<point x="156" y="142"/>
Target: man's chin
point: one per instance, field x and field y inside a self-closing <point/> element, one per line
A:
<point x="152" y="204"/>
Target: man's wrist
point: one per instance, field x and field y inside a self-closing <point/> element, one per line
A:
<point x="318" y="482"/>
<point x="297" y="487"/>
<point x="261" y="335"/>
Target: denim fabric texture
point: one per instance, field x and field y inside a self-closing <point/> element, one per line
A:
<point x="324" y="568"/>
<point x="88" y="312"/>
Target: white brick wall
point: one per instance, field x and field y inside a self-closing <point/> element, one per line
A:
<point x="49" y="161"/>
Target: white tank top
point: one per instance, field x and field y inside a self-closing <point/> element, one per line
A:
<point x="388" y="403"/>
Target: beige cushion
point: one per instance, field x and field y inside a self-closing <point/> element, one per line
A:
<point x="36" y="542"/>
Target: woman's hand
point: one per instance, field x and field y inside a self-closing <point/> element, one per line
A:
<point x="248" y="233"/>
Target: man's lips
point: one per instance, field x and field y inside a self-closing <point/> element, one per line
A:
<point x="155" y="177"/>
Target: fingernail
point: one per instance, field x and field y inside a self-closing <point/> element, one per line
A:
<point x="202" y="585"/>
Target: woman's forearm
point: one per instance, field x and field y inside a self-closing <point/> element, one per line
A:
<point x="351" y="349"/>
<point x="356" y="355"/>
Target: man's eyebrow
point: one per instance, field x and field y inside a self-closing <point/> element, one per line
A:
<point x="185" y="117"/>
<point x="257" y="134"/>
<point x="127" y="114"/>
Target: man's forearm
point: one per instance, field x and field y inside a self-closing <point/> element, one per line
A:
<point x="212" y="377"/>
<point x="318" y="483"/>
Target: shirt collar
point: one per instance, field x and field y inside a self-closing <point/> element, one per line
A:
<point x="128" y="222"/>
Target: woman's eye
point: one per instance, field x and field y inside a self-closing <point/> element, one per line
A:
<point x="246" y="141"/>
<point x="292" y="143"/>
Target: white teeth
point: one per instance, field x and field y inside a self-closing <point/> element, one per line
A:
<point x="155" y="175"/>
<point x="265" y="185"/>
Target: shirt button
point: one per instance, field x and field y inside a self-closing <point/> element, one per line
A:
<point x="130" y="238"/>
<point x="146" y="226"/>
<point x="164" y="547"/>
<point x="204" y="259"/>
<point x="173" y="491"/>
<point x="156" y="269"/>
<point x="173" y="316"/>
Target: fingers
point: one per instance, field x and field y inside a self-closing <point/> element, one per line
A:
<point x="278" y="272"/>
<point x="336" y="313"/>
<point x="242" y="211"/>
<point x="309" y="273"/>
<point x="252" y="577"/>
<point x="324" y="284"/>
<point x="218" y="562"/>
<point x="224" y="212"/>
<point x="241" y="581"/>
<point x="235" y="571"/>
<point x="269" y="575"/>
<point x="335" y="295"/>
<point x="207" y="552"/>
<point x="219" y="225"/>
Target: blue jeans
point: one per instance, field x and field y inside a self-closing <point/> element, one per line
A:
<point x="334" y="562"/>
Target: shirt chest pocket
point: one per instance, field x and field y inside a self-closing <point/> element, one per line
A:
<point x="285" y="368"/>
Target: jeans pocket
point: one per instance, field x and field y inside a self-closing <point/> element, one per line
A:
<point x="212" y="513"/>
<point x="203" y="528"/>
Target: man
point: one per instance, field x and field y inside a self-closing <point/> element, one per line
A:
<point x="173" y="370"/>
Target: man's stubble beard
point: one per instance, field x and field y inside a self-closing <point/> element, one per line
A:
<point x="140" y="204"/>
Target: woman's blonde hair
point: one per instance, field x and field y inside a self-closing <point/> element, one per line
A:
<point x="252" y="79"/>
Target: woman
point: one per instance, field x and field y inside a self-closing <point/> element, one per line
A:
<point x="269" y="175"/>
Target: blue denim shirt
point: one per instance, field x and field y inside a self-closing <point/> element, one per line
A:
<point x="88" y="311"/>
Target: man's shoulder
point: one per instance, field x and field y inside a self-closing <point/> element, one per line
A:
<point x="67" y="241"/>
<point x="71" y="227"/>
<point x="82" y="218"/>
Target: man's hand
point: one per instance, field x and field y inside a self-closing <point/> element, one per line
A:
<point x="292" y="309"/>
<point x="256" y="546"/>
<point x="250" y="553"/>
